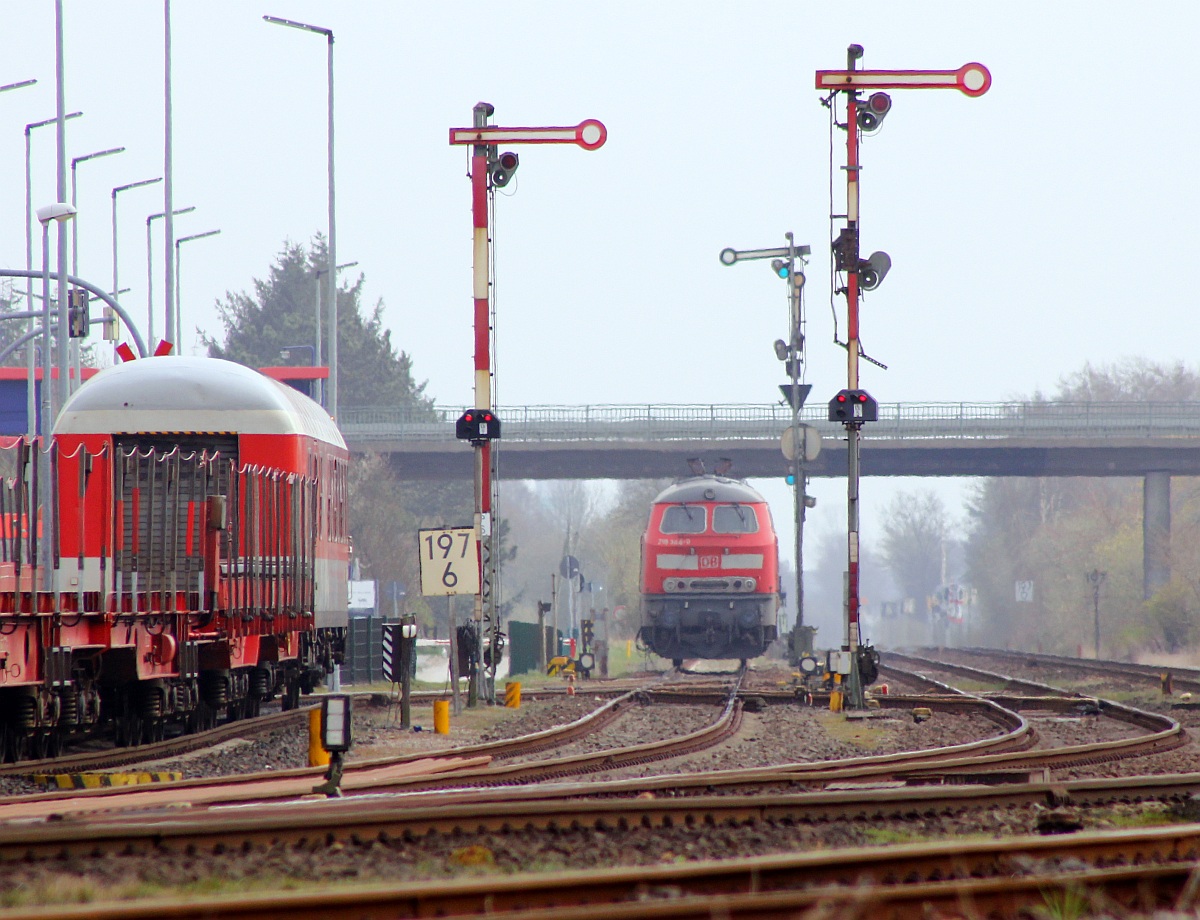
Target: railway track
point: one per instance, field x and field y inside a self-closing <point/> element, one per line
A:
<point x="1182" y="678"/>
<point x="997" y="878"/>
<point x="938" y="781"/>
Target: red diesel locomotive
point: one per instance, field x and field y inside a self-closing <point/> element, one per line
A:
<point x="710" y="572"/>
<point x="194" y="562"/>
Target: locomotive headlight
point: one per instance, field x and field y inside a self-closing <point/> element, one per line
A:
<point x="750" y="584"/>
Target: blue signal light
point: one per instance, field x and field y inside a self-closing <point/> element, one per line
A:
<point x="790" y="479"/>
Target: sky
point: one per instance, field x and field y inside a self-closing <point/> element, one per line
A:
<point x="1031" y="230"/>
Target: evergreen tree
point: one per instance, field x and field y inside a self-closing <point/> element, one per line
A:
<point x="282" y="312"/>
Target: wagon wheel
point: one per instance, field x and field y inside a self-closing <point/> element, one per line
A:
<point x="39" y="745"/>
<point x="17" y="746"/>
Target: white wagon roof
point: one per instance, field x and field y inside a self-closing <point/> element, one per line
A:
<point x="185" y="395"/>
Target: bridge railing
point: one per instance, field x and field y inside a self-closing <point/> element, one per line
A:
<point x="897" y="421"/>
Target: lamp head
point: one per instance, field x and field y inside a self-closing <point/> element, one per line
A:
<point x="60" y="210"/>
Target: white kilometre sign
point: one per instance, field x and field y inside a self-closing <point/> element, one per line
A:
<point x="449" y="561"/>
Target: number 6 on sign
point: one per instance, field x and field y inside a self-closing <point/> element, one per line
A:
<point x="449" y="561"/>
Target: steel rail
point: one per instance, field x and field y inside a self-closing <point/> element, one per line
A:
<point x="159" y="750"/>
<point x="1187" y="678"/>
<point x="900" y="881"/>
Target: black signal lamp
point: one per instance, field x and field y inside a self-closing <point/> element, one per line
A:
<point x="502" y="166"/>
<point x="874" y="110"/>
<point x="853" y="406"/>
<point x="477" y="425"/>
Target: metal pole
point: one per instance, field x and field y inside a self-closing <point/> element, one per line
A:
<point x="483" y="381"/>
<point x="43" y="498"/>
<point x="456" y="704"/>
<point x="168" y="187"/>
<point x="63" y="319"/>
<point x="319" y="393"/>
<point x="855" y="689"/>
<point x="149" y="284"/>
<point x="331" y="281"/>
<point x="31" y="349"/>
<point x="116" y="289"/>
<point x="31" y="426"/>
<point x="796" y="341"/>
<point x="150" y="272"/>
<point x="406" y="663"/>
<point x="179" y="284"/>
<point x="77" y="378"/>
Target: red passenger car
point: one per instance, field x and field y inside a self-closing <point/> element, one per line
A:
<point x="710" y="572"/>
<point x="198" y="555"/>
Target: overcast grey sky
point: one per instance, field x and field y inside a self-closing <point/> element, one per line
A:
<point x="1042" y="225"/>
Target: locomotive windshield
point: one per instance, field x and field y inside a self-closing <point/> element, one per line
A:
<point x="683" y="518"/>
<point x="734" y="519"/>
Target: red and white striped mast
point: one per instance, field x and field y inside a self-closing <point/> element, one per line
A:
<point x="865" y="274"/>
<point x="490" y="169"/>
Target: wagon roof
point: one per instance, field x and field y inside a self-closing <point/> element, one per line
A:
<point x="176" y="394"/>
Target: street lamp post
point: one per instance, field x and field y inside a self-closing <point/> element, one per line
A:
<point x="75" y="380"/>
<point x="55" y="213"/>
<point x="30" y="351"/>
<point x="150" y="273"/>
<point x="318" y="393"/>
<point x="116" y="290"/>
<point x="331" y="281"/>
<point x="177" y="331"/>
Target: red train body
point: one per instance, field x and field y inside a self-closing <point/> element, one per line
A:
<point x="198" y="555"/>
<point x="710" y="572"/>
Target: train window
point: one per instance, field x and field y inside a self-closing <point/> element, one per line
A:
<point x="684" y="518"/>
<point x="734" y="519"/>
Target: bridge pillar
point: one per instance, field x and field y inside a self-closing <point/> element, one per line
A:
<point x="1156" y="532"/>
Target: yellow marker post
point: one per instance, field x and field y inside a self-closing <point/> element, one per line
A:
<point x="512" y="695"/>
<point x="835" y="695"/>
<point x="317" y="755"/>
<point x="441" y="717"/>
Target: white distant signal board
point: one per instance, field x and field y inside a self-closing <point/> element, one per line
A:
<point x="449" y="561"/>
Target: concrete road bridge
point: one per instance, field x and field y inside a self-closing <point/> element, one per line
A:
<point x="910" y="439"/>
<point x="1153" y="441"/>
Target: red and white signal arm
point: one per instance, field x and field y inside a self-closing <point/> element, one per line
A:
<point x="972" y="79"/>
<point x="590" y="134"/>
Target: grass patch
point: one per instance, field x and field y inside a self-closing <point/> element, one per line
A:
<point x="883" y="836"/>
<point x="1154" y="816"/>
<point x="861" y="733"/>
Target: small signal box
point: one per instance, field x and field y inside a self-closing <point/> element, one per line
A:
<point x="853" y="406"/>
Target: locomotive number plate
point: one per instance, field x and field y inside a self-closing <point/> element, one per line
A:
<point x="449" y="561"/>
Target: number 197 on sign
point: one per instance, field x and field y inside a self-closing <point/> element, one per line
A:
<point x="449" y="561"/>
